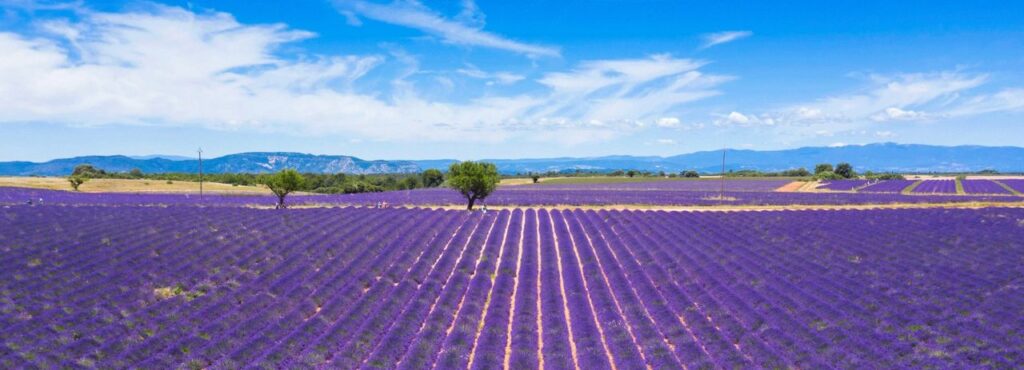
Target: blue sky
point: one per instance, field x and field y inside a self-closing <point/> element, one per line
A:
<point x="499" y="79"/>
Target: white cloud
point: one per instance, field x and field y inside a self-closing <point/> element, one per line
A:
<point x="171" y="67"/>
<point x="667" y="122"/>
<point x="837" y="145"/>
<point x="666" y="141"/>
<point x="1005" y="100"/>
<point x="904" y="97"/>
<point x="737" y="117"/>
<point x="464" y="30"/>
<point x="718" y="38"/>
<point x="501" y="78"/>
<point x="884" y="134"/>
<point x="897" y="114"/>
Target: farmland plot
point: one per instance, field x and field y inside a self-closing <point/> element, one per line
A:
<point x="156" y="287"/>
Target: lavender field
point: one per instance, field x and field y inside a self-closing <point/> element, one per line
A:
<point x="505" y="197"/>
<point x="224" y="287"/>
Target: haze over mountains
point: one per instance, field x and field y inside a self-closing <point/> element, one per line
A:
<point x="883" y="157"/>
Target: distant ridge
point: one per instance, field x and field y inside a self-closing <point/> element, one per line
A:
<point x="883" y="157"/>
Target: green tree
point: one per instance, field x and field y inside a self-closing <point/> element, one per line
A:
<point x="690" y="174"/>
<point x="409" y="183"/>
<point x="87" y="170"/>
<point x="76" y="181"/>
<point x="535" y="177"/>
<point x="631" y="173"/>
<point x="432" y="178"/>
<point x="828" y="175"/>
<point x="823" y="167"/>
<point x="284" y="183"/>
<point x="845" y="170"/>
<point x="136" y="173"/>
<point x="475" y="180"/>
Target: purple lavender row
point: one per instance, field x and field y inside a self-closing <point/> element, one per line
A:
<point x="458" y="343"/>
<point x="887" y="186"/>
<point x="983" y="187"/>
<point x="397" y="256"/>
<point x="523" y="344"/>
<point x="590" y="345"/>
<point x="637" y="318"/>
<point x="704" y="338"/>
<point x="226" y="320"/>
<point x="556" y="349"/>
<point x="1015" y="184"/>
<point x="430" y="335"/>
<point x="400" y="334"/>
<point x="489" y="351"/>
<point x="885" y="192"/>
<point x="936" y="187"/>
<point x="655" y="304"/>
<point x="756" y="185"/>
<point x="621" y="342"/>
<point x="845" y="185"/>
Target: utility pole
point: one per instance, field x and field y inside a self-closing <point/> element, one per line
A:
<point x="200" y="174"/>
<point x="721" y="190"/>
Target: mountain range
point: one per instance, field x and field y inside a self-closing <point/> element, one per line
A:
<point x="882" y="157"/>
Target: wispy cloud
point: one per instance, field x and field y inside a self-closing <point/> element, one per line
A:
<point x="718" y="38"/>
<point x="167" y="66"/>
<point x="501" y="78"/>
<point x="464" y="29"/>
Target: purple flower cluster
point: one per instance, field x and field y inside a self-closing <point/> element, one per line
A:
<point x="887" y="186"/>
<point x="983" y="187"/>
<point x="226" y="287"/>
<point x="503" y="196"/>
<point x="845" y="185"/>
<point x="1015" y="184"/>
<point x="731" y="185"/>
<point x="936" y="187"/>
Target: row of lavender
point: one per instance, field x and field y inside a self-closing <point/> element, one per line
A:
<point x="443" y="196"/>
<point x="987" y="187"/>
<point x="705" y="185"/>
<point x="414" y="289"/>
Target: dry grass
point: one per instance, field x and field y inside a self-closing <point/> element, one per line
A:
<point x="129" y="186"/>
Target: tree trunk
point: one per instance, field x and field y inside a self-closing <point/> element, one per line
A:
<point x="280" y="201"/>
<point x="471" y="201"/>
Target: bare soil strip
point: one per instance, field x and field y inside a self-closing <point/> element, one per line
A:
<point x="794" y="186"/>
<point x="565" y="303"/>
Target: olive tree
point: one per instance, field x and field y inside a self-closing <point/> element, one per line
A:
<point x="823" y="167"/>
<point x="284" y="183"/>
<point x="76" y="181"/>
<point x="432" y="178"/>
<point x="475" y="180"/>
<point x="845" y="170"/>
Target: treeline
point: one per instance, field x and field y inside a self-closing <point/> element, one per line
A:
<point x="335" y="183"/>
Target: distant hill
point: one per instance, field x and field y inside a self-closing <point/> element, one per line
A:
<point x="888" y="157"/>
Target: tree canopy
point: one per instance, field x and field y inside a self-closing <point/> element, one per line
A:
<point x="432" y="178"/>
<point x="283" y="183"/>
<point x="475" y="180"/>
<point x="845" y="170"/>
<point x="77" y="180"/>
<point x="823" y="167"/>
